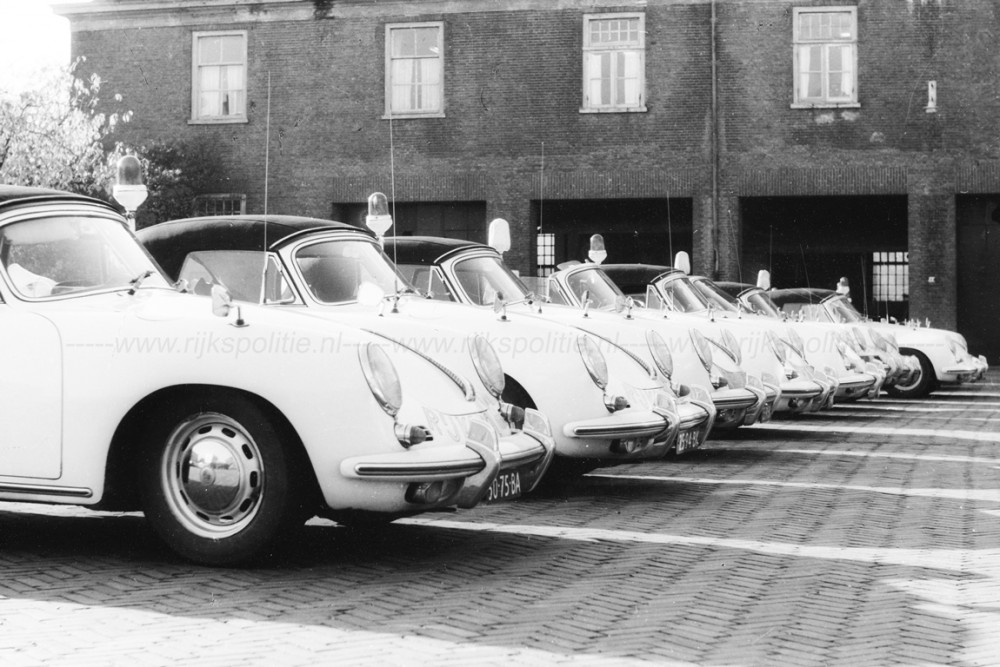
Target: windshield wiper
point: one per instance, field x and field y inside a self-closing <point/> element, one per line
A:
<point x="136" y="282"/>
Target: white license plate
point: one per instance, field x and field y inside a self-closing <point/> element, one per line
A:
<point x="687" y="440"/>
<point x="506" y="486"/>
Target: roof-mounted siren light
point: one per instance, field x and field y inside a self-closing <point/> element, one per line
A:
<point x="683" y="262"/>
<point x="498" y="235"/>
<point x="764" y="279"/>
<point x="129" y="190"/>
<point x="378" y="219"/>
<point x="597" y="253"/>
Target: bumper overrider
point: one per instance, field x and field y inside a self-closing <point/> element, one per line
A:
<point x="799" y="395"/>
<point x="646" y="430"/>
<point x="827" y="388"/>
<point x="741" y="399"/>
<point x="464" y="475"/>
<point x="856" y="385"/>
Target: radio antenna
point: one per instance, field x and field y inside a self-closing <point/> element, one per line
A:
<point x="267" y="162"/>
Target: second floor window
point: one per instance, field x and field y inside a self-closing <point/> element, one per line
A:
<point x="219" y="66"/>
<point x="614" y="58"/>
<point x="414" y="69"/>
<point x="826" y="55"/>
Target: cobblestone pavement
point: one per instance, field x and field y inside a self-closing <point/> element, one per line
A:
<point x="865" y="536"/>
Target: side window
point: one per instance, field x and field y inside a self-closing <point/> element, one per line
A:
<point x="437" y="288"/>
<point x="555" y="293"/>
<point x="825" y="56"/>
<point x="614" y="63"/>
<point x="414" y="70"/>
<point x="219" y="77"/>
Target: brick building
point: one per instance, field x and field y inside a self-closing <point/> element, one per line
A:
<point x="816" y="138"/>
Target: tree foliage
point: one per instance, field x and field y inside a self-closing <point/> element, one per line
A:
<point x="53" y="135"/>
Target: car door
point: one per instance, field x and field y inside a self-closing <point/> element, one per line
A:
<point x="30" y="395"/>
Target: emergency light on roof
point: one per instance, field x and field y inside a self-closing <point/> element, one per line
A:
<point x="499" y="235"/>
<point x="378" y="218"/>
<point x="764" y="279"/>
<point x="129" y="190"/>
<point x="597" y="252"/>
<point x="683" y="262"/>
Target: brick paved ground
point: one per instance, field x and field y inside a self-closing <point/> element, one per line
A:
<point x="866" y="536"/>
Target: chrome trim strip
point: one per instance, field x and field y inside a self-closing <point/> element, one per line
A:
<point x="455" y="469"/>
<point x="463" y="384"/>
<point x="38" y="489"/>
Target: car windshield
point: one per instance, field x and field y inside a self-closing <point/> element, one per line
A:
<point x="483" y="278"/>
<point x="334" y="270"/>
<point x="761" y="304"/>
<point x="677" y="292"/>
<point x="843" y="311"/>
<point x="715" y="296"/>
<point x="601" y="292"/>
<point x="57" y="256"/>
<point x="242" y="272"/>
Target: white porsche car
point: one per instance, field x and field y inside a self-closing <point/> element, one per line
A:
<point x="226" y="424"/>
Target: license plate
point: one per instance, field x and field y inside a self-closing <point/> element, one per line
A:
<point x="506" y="486"/>
<point x="687" y="440"/>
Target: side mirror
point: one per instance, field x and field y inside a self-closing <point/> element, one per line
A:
<point x="499" y="235"/>
<point x="222" y="305"/>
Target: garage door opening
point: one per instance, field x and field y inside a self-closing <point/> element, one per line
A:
<point x="815" y="241"/>
<point x="634" y="230"/>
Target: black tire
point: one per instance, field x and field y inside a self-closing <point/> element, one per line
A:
<point x="923" y="384"/>
<point x="237" y="509"/>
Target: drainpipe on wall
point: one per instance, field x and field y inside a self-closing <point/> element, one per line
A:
<point x="715" y="152"/>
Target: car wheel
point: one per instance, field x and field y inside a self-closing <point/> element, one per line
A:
<point x="216" y="482"/>
<point x="918" y="386"/>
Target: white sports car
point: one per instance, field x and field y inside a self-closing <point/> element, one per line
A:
<point x="227" y="425"/>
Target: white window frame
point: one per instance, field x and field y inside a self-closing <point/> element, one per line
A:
<point x="800" y="44"/>
<point x="617" y="51"/>
<point x="438" y="111"/>
<point x="196" y="115"/>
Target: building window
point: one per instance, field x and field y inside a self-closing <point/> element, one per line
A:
<point x="220" y="204"/>
<point x="218" y="77"/>
<point x="546" y="253"/>
<point x="614" y="62"/>
<point x="890" y="276"/>
<point x="414" y="70"/>
<point x="826" y="56"/>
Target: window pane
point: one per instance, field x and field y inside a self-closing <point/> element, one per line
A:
<point x="209" y="50"/>
<point x="232" y="48"/>
<point x="415" y="42"/>
<point x="208" y="104"/>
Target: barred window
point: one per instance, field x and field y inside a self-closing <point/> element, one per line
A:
<point x="546" y="251"/>
<point x="890" y="276"/>
<point x="826" y="55"/>
<point x="220" y="204"/>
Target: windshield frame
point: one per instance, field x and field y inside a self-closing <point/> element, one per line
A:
<point x="716" y="297"/>
<point x="839" y="304"/>
<point x="665" y="288"/>
<point x="613" y="290"/>
<point x="289" y="255"/>
<point x="450" y="267"/>
<point x="760" y="303"/>
<point x="75" y="211"/>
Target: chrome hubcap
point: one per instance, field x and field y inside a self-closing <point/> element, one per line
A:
<point x="213" y="475"/>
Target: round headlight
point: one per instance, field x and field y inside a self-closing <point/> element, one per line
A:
<point x="487" y="364"/>
<point x="593" y="359"/>
<point x="732" y="345"/>
<point x="382" y="377"/>
<point x="703" y="348"/>
<point x="660" y="352"/>
<point x="795" y="340"/>
<point x="776" y="346"/>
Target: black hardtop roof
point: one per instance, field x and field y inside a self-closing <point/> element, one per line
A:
<point x="800" y="295"/>
<point x="732" y="287"/>
<point x="629" y="277"/>
<point x="17" y="195"/>
<point x="426" y="250"/>
<point x="172" y="241"/>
